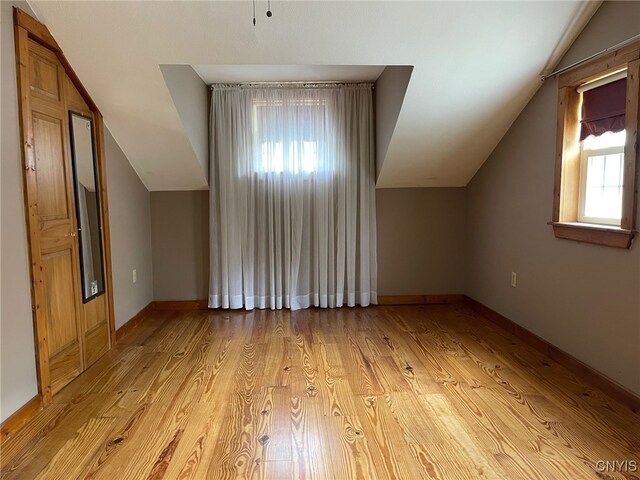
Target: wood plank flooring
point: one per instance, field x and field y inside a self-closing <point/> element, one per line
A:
<point x="415" y="392"/>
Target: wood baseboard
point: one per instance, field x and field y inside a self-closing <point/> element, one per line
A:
<point x="584" y="371"/>
<point x="382" y="300"/>
<point x="181" y="305"/>
<point x="12" y="424"/>
<point x="419" y="299"/>
<point x="134" y="321"/>
<point x="16" y="421"/>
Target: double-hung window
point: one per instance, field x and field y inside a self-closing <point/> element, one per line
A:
<point x="595" y="190"/>
<point x="601" y="179"/>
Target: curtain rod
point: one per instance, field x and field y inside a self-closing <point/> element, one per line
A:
<point x="584" y="60"/>
<point x="328" y="84"/>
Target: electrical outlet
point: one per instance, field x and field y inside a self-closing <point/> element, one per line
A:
<point x="134" y="274"/>
<point x="514" y="279"/>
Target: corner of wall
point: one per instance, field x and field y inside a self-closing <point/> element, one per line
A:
<point x="18" y="380"/>
<point x="130" y="223"/>
<point x="581" y="298"/>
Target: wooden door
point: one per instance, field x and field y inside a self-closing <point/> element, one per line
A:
<point x="95" y="323"/>
<point x="50" y="186"/>
<point x="71" y="332"/>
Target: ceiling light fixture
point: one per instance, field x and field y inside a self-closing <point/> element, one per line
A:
<point x="269" y="12"/>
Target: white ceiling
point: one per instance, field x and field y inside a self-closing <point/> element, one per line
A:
<point x="477" y="64"/>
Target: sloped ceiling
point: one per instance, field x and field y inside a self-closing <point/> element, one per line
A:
<point x="476" y="65"/>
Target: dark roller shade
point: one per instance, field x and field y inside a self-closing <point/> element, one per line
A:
<point x="603" y="109"/>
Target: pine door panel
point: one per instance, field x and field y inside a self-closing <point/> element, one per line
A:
<point x="96" y="327"/>
<point x="58" y="278"/>
<point x="44" y="73"/>
<point x="65" y="359"/>
<point x="95" y="313"/>
<point x="51" y="175"/>
<point x="57" y="225"/>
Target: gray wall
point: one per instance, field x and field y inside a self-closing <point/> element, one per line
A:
<point x="421" y="235"/>
<point x="389" y="92"/>
<point x="130" y="222"/>
<point x="180" y="232"/>
<point x="420" y="242"/>
<point x="585" y="299"/>
<point x="130" y="239"/>
<point x="18" y="382"/>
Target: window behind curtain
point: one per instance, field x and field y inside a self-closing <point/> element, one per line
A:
<point x="602" y="140"/>
<point x="292" y="202"/>
<point x="291" y="134"/>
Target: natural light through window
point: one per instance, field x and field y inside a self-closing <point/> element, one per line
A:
<point x="290" y="134"/>
<point x="297" y="157"/>
<point x="602" y="178"/>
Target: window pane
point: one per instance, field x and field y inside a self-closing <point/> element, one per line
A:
<point x="595" y="171"/>
<point x="603" y="203"/>
<point x="613" y="170"/>
<point x="603" y="195"/>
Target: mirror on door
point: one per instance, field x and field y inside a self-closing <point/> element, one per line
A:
<point x="87" y="204"/>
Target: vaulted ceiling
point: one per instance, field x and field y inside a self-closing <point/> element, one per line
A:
<point x="476" y="65"/>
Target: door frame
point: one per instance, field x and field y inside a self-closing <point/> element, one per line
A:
<point x="27" y="28"/>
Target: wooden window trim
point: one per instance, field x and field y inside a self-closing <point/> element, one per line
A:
<point x="567" y="168"/>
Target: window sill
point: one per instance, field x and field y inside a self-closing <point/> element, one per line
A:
<point x="597" y="234"/>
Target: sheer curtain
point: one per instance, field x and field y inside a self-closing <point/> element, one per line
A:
<point x="292" y="201"/>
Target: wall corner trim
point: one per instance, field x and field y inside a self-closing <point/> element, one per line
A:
<point x="134" y="321"/>
<point x="24" y="414"/>
<point x="566" y="360"/>
<point x="16" y="421"/>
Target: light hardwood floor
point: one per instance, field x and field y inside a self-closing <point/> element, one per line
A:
<point x="375" y="393"/>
